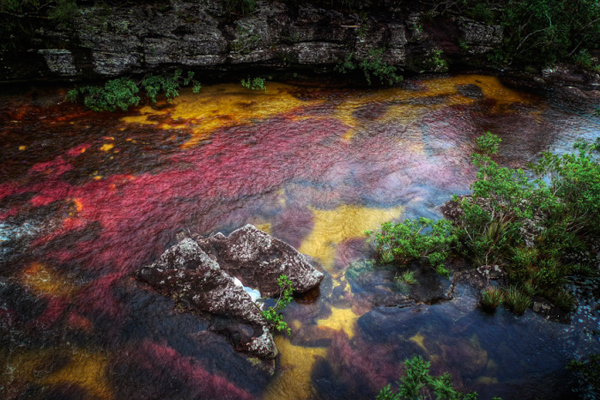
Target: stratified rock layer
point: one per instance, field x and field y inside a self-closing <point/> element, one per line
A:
<point x="108" y="42"/>
<point x="205" y="277"/>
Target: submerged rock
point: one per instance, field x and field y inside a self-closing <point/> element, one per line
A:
<point x="219" y="275"/>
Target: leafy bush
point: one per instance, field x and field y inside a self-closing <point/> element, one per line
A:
<point x="419" y="384"/>
<point x="547" y="31"/>
<point x="254" y="84"/>
<point x="272" y="314"/>
<point x="416" y="240"/>
<point x="519" y="221"/>
<point x="538" y="226"/>
<point x="116" y="94"/>
<point x="435" y="62"/>
<point x="121" y="93"/>
<point x="372" y="66"/>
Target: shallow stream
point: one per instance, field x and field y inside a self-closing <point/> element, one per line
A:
<point x="88" y="198"/>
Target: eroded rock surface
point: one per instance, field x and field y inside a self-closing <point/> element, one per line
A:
<point x="205" y="277"/>
<point x="108" y="42"/>
<point x="258" y="259"/>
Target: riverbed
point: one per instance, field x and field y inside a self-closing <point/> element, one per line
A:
<point x="87" y="199"/>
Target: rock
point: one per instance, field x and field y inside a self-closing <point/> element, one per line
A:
<point x="107" y="42"/>
<point x="196" y="281"/>
<point x="258" y="259"/>
<point x="219" y="275"/>
<point x="479" y="37"/>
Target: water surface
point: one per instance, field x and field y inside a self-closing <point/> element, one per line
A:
<point x="88" y="198"/>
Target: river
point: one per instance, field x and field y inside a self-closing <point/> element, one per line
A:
<point x="86" y="199"/>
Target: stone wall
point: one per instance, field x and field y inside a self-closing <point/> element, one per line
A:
<point x="201" y="35"/>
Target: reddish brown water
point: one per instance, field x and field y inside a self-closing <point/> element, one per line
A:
<point x="88" y="198"/>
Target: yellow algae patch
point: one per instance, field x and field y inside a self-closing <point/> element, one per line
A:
<point x="343" y="319"/>
<point x="405" y="106"/>
<point x="84" y="369"/>
<point x="87" y="370"/>
<point x="490" y="86"/>
<point x="107" y="147"/>
<point x="419" y="340"/>
<point x="43" y="280"/>
<point x="265" y="227"/>
<point x="487" y="380"/>
<point x="78" y="205"/>
<point x="345" y="222"/>
<point x="297" y="362"/>
<point x="220" y="106"/>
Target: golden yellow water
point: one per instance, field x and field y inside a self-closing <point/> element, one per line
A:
<point x="58" y="366"/>
<point x="293" y="381"/>
<point x="331" y="227"/>
<point x="44" y="280"/>
<point x="341" y="319"/>
<point x="220" y="106"/>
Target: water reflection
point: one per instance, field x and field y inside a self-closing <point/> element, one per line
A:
<point x="86" y="199"/>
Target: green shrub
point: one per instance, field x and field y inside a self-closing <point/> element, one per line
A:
<point x="435" y="62"/>
<point x="407" y="277"/>
<point x="254" y="84"/>
<point x="272" y="314"/>
<point x="116" y="94"/>
<point x="515" y="300"/>
<point x="589" y="371"/>
<point x="544" y="32"/>
<point x="528" y="223"/>
<point x="416" y="240"/>
<point x="417" y="383"/>
<point x="121" y="93"/>
<point x="491" y="298"/>
<point x="372" y="66"/>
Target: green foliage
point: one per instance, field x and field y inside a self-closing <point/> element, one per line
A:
<point x="272" y="314"/>
<point x="416" y="240"/>
<point x="371" y="66"/>
<point x="418" y="384"/>
<point x="538" y="226"/>
<point x="482" y="12"/>
<point x="515" y="300"/>
<point x="121" y="93"/>
<point x="116" y="94"/>
<point x="547" y="31"/>
<point x="240" y="7"/>
<point x="254" y="83"/>
<point x="589" y="371"/>
<point x="435" y="62"/>
<point x="407" y="277"/>
<point x="491" y="298"/>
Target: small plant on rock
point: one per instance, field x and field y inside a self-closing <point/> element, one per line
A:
<point x="515" y="300"/>
<point x="254" y="84"/>
<point x="491" y="298"/>
<point x="419" y="384"/>
<point x="407" y="277"/>
<point x="272" y="314"/>
<point x="121" y="93"/>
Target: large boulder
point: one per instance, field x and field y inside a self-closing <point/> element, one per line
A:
<point x="258" y="259"/>
<point x="220" y="275"/>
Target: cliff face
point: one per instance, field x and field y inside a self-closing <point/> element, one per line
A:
<point x="108" y="42"/>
